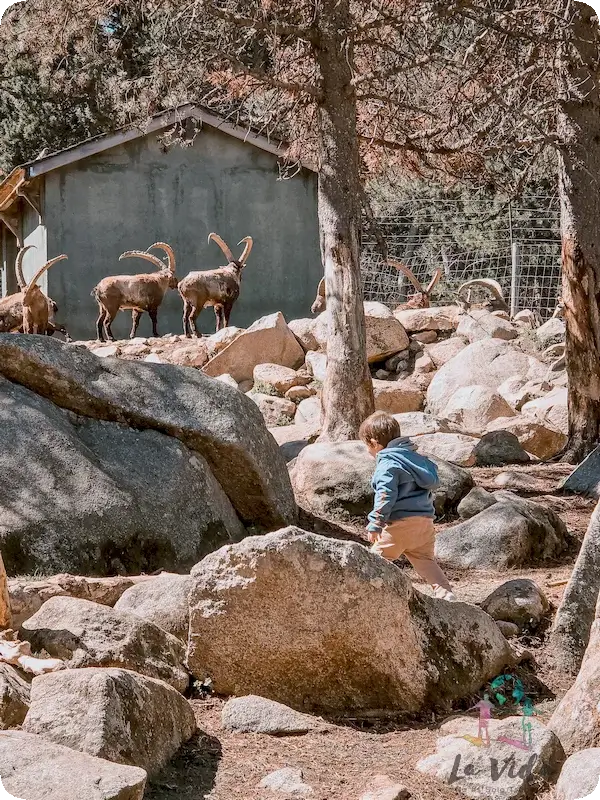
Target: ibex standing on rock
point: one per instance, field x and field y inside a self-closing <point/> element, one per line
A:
<point x="138" y="293"/>
<point x="28" y="310"/>
<point x="216" y="287"/>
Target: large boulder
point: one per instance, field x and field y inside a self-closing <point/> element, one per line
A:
<point x="486" y="363"/>
<point x="520" y="601"/>
<point x="107" y="497"/>
<point x="480" y="324"/>
<point x="162" y="601"/>
<point x="576" y="720"/>
<point x="333" y="482"/>
<point x="277" y="378"/>
<point x="503" y="770"/>
<point x="454" y="447"/>
<point x="518" y="390"/>
<point x="537" y="438"/>
<point x="14" y="697"/>
<point x="36" y="769"/>
<point x="395" y="398"/>
<point x="441" y="352"/>
<point x="259" y="624"/>
<point x="552" y="409"/>
<point x="511" y="533"/>
<point x="497" y="448"/>
<point x="209" y="417"/>
<point x="436" y="318"/>
<point x="303" y="330"/>
<point x="475" y="502"/>
<point x="268" y="340"/>
<point x="221" y="339"/>
<point x="385" y="335"/>
<point x="85" y="634"/>
<point x="316" y="363"/>
<point x="114" y="714"/>
<point x="551" y="332"/>
<point x="275" y="410"/>
<point x="580" y="776"/>
<point x="473" y="408"/>
<point x="417" y="423"/>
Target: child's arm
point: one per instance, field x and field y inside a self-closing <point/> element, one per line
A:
<point x="386" y="494"/>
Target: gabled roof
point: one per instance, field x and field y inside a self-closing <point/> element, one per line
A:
<point x="11" y="186"/>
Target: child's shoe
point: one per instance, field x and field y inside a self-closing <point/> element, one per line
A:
<point x="443" y="594"/>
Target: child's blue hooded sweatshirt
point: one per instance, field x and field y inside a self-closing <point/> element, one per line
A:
<point x="403" y="482"/>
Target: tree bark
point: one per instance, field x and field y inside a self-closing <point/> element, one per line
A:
<point x="348" y="389"/>
<point x="5" y="611"/>
<point x="571" y="632"/>
<point x="579" y="168"/>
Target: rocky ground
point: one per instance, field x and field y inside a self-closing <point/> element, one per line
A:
<point x="159" y="466"/>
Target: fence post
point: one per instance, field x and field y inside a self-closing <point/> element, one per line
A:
<point x="514" y="282"/>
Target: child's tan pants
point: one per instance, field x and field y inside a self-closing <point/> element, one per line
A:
<point x="413" y="537"/>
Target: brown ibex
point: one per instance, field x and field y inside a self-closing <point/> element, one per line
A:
<point x="495" y="303"/>
<point x="137" y="293"/>
<point x="418" y="300"/>
<point x="422" y="297"/>
<point x="29" y="310"/>
<point x="216" y="287"/>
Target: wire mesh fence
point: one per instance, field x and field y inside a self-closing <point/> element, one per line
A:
<point x="518" y="245"/>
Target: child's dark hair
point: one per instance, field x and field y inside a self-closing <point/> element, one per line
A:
<point x="381" y="428"/>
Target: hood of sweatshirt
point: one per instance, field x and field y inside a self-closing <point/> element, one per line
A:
<point x="402" y="453"/>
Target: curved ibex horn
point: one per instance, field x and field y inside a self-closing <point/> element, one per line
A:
<point x="247" y="250"/>
<point x="19" y="266"/>
<point x="146" y="256"/>
<point x="39" y="274"/>
<point x="225" y="249"/>
<point x="487" y="283"/>
<point x="434" y="282"/>
<point x="406" y="271"/>
<point x="168" y="250"/>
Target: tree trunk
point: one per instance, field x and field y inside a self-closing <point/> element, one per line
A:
<point x="348" y="389"/>
<point x="5" y="612"/>
<point x="571" y="631"/>
<point x="579" y="168"/>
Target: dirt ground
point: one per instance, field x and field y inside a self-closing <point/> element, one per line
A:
<point x="339" y="761"/>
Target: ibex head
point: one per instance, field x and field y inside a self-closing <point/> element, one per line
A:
<point x="421" y="299"/>
<point x="238" y="263"/>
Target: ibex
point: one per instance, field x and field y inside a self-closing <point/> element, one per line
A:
<point x="422" y="297"/>
<point x="29" y="309"/>
<point x="138" y="293"/>
<point x="495" y="303"/>
<point x="419" y="300"/>
<point x="216" y="287"/>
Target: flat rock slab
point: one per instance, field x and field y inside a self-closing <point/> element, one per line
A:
<point x="505" y="769"/>
<point x="287" y="781"/>
<point x="85" y="634"/>
<point x="33" y="768"/>
<point x="585" y="479"/>
<point x="253" y="714"/>
<point x="114" y="714"/>
<point x="221" y="423"/>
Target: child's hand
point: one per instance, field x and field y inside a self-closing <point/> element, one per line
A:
<point x="372" y="536"/>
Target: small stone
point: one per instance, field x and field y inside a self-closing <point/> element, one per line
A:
<point x="382" y="374"/>
<point x="278" y="378"/>
<point x="509" y="629"/>
<point x="298" y="393"/>
<point x="154" y="358"/>
<point x="275" y="410"/>
<point x="253" y="714"/>
<point x="110" y="351"/>
<point x="425" y="337"/>
<point x="287" y="781"/>
<point x="14" y="697"/>
<point x="399" y="362"/>
<point x="424" y="364"/>
<point x="498" y="448"/>
<point x="228" y="380"/>
<point x="416" y="347"/>
<point x="383" y="788"/>
<point x="316" y="364"/>
<point x="519" y="601"/>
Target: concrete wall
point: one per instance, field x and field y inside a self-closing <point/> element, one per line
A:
<point x="135" y="194"/>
